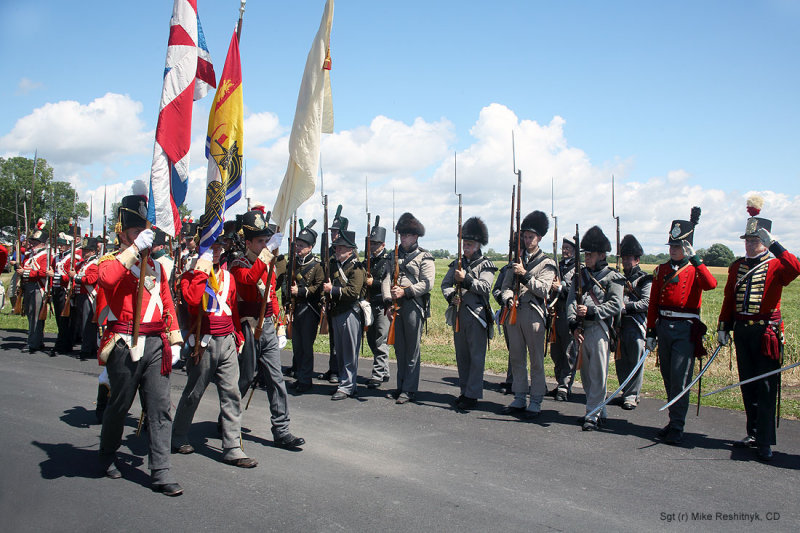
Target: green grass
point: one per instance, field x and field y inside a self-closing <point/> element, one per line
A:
<point x="437" y="346"/>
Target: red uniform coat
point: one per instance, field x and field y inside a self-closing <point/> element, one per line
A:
<point x="760" y="294"/>
<point x="683" y="293"/>
<point x="193" y="286"/>
<point x="118" y="277"/>
<point x="248" y="271"/>
<point x="35" y="267"/>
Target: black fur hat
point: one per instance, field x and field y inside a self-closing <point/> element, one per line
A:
<point x="594" y="240"/>
<point x="407" y="223"/>
<point x="630" y="246"/>
<point x="536" y="222"/>
<point x="474" y="229"/>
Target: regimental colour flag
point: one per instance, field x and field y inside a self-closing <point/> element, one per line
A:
<point x="188" y="76"/>
<point x="313" y="116"/>
<point x="224" y="148"/>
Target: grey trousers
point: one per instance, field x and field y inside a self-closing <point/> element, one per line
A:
<point x="631" y="349"/>
<point x="304" y="333"/>
<point x="527" y="337"/>
<point x="33" y="305"/>
<point x="126" y="377"/>
<point x="88" y="326"/>
<point x="470" y="344"/>
<point x="347" y="331"/>
<point x="676" y="354"/>
<point x="64" y="338"/>
<point x="265" y="353"/>
<point x="219" y="364"/>
<point x="376" y="338"/>
<point x="407" y="337"/>
<point x="563" y="354"/>
<point x="594" y="368"/>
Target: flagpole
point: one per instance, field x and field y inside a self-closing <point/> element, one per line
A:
<point x="239" y="24"/>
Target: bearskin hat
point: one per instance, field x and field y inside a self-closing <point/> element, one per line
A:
<point x="408" y="223"/>
<point x="594" y="240"/>
<point x="474" y="229"/>
<point x="630" y="246"/>
<point x="536" y="222"/>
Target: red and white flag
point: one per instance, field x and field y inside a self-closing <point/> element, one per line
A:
<point x="188" y="76"/>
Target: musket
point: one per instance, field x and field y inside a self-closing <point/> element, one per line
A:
<point x="578" y="294"/>
<point x="292" y="275"/>
<point x="91" y="213"/>
<point x="395" y="277"/>
<point x="518" y="258"/>
<point x="48" y="291"/>
<point x="618" y="348"/>
<point x="325" y="250"/>
<point x="18" y="301"/>
<point x="267" y="288"/>
<point x="552" y="305"/>
<point x="33" y="187"/>
<point x="456" y="327"/>
<point x="66" y="311"/>
<point x="367" y="247"/>
<point x="105" y="222"/>
<point x="695" y="380"/>
<point x="504" y="313"/>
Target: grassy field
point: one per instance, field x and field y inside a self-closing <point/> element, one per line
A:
<point x="437" y="346"/>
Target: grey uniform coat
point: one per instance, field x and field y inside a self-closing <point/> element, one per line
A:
<point x="563" y="350"/>
<point x="475" y="320"/>
<point x="636" y="299"/>
<point x="602" y="295"/>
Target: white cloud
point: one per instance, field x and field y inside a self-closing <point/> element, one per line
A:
<point x="27" y="85"/>
<point x="70" y="134"/>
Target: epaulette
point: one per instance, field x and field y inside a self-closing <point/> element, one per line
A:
<point x="490" y="264"/>
<point x="108" y="256"/>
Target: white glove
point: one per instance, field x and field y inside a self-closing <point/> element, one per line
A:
<point x="275" y="242"/>
<point x="208" y="255"/>
<point x="688" y="251"/>
<point x="650" y="343"/>
<point x="723" y="337"/>
<point x="176" y="352"/>
<point x="144" y="240"/>
<point x="766" y="237"/>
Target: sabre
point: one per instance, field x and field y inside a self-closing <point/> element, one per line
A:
<point x="750" y="380"/>
<point x="622" y="385"/>
<point x="695" y="380"/>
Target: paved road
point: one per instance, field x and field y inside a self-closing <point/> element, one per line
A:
<point x="372" y="465"/>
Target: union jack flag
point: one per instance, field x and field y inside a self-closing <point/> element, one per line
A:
<point x="188" y="76"/>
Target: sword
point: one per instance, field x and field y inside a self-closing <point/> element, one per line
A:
<point x="622" y="385"/>
<point x="750" y="380"/>
<point x="696" y="379"/>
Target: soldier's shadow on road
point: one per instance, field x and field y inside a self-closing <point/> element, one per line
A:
<point x="79" y="417"/>
<point x="14" y="342"/>
<point x="67" y="460"/>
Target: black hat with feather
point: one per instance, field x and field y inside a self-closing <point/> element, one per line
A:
<point x="474" y="229"/>
<point x="536" y="222"/>
<point x="630" y="246"/>
<point x="594" y="240"/>
<point x="683" y="230"/>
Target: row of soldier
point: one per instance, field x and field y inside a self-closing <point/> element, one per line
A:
<point x="228" y="297"/>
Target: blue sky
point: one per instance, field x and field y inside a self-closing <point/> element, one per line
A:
<point x="685" y="102"/>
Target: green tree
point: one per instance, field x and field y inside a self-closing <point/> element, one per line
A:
<point x="49" y="196"/>
<point x="718" y="255"/>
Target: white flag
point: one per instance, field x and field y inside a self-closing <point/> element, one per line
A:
<point x="313" y="116"/>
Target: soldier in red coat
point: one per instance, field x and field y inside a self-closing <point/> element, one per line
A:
<point x="142" y="364"/>
<point x="752" y="310"/>
<point x="35" y="272"/>
<point x="86" y="288"/>
<point x="673" y="317"/>
<point x="254" y="282"/>
<point x="215" y="359"/>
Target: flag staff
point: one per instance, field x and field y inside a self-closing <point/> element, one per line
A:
<point x="239" y="24"/>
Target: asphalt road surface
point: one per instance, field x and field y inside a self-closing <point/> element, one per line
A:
<point x="371" y="465"/>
